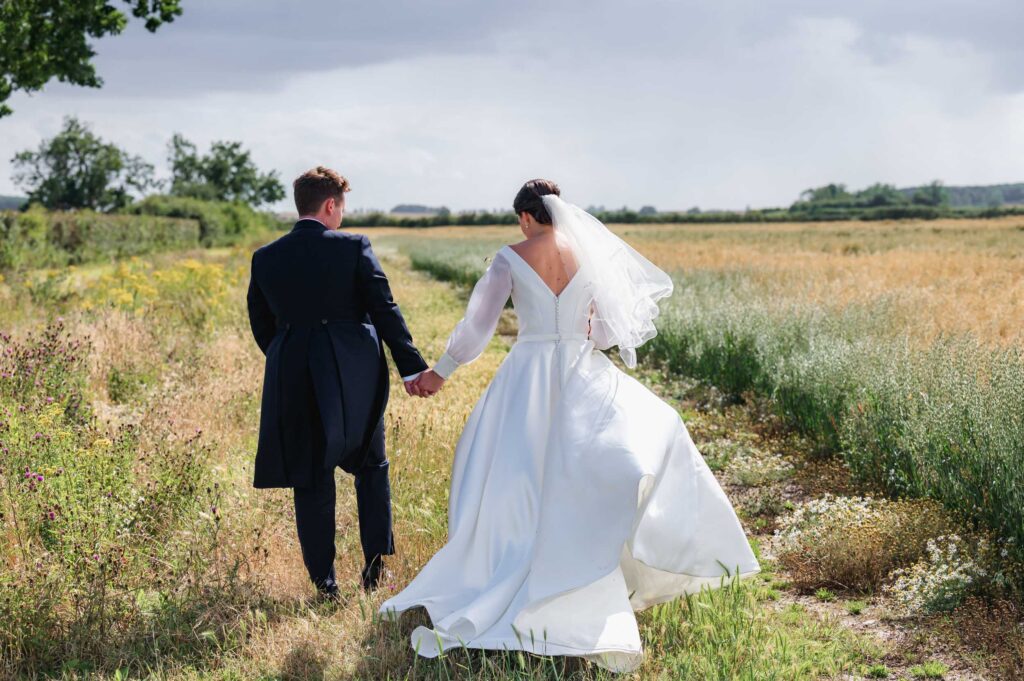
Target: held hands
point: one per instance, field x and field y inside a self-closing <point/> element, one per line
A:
<point x="425" y="385"/>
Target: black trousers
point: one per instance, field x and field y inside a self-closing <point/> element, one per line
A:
<point x="315" y="507"/>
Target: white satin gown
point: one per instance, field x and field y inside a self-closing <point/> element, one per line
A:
<point x="577" y="496"/>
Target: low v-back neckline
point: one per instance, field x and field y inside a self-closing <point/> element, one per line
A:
<point x="540" y="278"/>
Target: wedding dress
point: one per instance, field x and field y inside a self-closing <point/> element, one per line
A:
<point x="577" y="496"/>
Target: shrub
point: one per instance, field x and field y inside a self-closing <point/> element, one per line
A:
<point x="25" y="241"/>
<point x="221" y="223"/>
<point x="37" y="238"/>
<point x="854" y="543"/>
<point x="952" y="569"/>
<point x="89" y="236"/>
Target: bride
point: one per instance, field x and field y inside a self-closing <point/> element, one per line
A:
<point x="577" y="496"/>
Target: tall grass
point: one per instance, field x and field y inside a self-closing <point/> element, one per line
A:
<point x="944" y="421"/>
<point x="115" y="546"/>
<point x="449" y="260"/>
<point x="103" y="537"/>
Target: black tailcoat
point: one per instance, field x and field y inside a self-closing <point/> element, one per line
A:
<point x="321" y="311"/>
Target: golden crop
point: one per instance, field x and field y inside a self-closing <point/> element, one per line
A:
<point x="938" y="275"/>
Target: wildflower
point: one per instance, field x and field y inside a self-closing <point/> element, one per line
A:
<point x="943" y="578"/>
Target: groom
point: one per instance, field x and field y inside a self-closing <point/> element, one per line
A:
<point x="321" y="311"/>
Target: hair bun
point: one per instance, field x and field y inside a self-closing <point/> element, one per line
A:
<point x="529" y="199"/>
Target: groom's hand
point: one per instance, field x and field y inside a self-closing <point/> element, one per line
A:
<point x="428" y="383"/>
<point x="411" y="388"/>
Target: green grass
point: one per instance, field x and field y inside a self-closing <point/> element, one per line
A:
<point x="731" y="633"/>
<point x="825" y="595"/>
<point x="929" y="670"/>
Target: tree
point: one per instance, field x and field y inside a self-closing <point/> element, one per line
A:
<point x="76" y="169"/>
<point x="881" y="195"/>
<point x="830" y="193"/>
<point x="45" y="39"/>
<point x="226" y="173"/>
<point x="933" y="194"/>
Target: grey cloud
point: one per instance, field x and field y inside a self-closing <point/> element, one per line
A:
<point x="675" y="103"/>
<point x="989" y="27"/>
<point x="236" y="45"/>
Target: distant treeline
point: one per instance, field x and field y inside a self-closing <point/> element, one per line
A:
<point x="987" y="196"/>
<point x="76" y="170"/>
<point x="826" y="203"/>
<point x="627" y="216"/>
<point x="12" y="202"/>
<point x="884" y="201"/>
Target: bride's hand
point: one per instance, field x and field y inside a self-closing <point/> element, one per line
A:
<point x="428" y="383"/>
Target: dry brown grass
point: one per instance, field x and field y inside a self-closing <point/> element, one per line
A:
<point x="997" y="628"/>
<point x="309" y="642"/>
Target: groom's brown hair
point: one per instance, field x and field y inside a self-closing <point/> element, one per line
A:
<point x="315" y="186"/>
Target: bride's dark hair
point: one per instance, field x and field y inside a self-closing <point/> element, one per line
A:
<point x="528" y="199"/>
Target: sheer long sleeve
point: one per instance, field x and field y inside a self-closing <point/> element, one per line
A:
<point x="599" y="331"/>
<point x="474" y="331"/>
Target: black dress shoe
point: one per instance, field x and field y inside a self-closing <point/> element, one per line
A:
<point x="328" y="594"/>
<point x="372" y="572"/>
<point x="327" y="588"/>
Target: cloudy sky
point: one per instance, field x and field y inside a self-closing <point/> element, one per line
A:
<point x="718" y="104"/>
